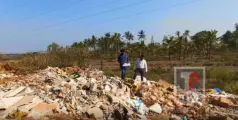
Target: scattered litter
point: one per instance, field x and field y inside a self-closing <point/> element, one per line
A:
<point x="156" y="108"/>
<point x="217" y="90"/>
<point x="14" y="92"/>
<point x="73" y="91"/>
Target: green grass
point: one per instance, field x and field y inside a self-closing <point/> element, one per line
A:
<point x="224" y="78"/>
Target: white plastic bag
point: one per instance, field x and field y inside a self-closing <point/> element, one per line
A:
<point x="138" y="78"/>
<point x="156" y="108"/>
<point x="126" y="65"/>
<point x="139" y="106"/>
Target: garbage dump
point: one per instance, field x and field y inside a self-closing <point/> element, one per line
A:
<point x="91" y="94"/>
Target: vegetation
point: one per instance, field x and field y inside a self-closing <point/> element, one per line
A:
<point x="181" y="46"/>
<point x="203" y="48"/>
<point x="56" y="57"/>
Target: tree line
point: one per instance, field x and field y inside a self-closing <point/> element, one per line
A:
<point x="180" y="46"/>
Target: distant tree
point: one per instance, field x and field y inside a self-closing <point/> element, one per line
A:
<point x="153" y="47"/>
<point x="116" y="38"/>
<point x="179" y="41"/>
<point x="199" y="40"/>
<point x="204" y="41"/>
<point x="212" y="37"/>
<point x="53" y="47"/>
<point x="152" y="40"/>
<point x="236" y="27"/>
<point x="185" y="38"/>
<point x="169" y="43"/>
<point x="231" y="38"/>
<point x="129" y="37"/>
<point x="74" y="45"/>
<point x="141" y="36"/>
<point x="86" y="43"/>
<point x="102" y="44"/>
<point x="226" y="38"/>
<point x="235" y="36"/>
<point x="94" y="42"/>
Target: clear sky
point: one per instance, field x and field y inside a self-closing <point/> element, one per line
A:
<point x="23" y="22"/>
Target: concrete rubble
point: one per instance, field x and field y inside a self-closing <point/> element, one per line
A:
<point x="91" y="94"/>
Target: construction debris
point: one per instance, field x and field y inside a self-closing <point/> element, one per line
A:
<point x="89" y="93"/>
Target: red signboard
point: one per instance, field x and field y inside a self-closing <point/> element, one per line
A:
<point x="194" y="78"/>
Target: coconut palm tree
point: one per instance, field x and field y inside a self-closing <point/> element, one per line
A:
<point x="107" y="38"/>
<point x="129" y="37"/>
<point x="116" y="38"/>
<point x="199" y="40"/>
<point x="141" y="36"/>
<point x="169" y="43"/>
<point x="185" y="38"/>
<point x="211" y="36"/>
<point x="101" y="45"/>
<point x="179" y="42"/>
<point x="236" y="26"/>
<point x="94" y="42"/>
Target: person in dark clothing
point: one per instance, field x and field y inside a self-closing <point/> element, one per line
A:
<point x="122" y="59"/>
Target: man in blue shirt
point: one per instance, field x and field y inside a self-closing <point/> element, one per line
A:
<point x="123" y="58"/>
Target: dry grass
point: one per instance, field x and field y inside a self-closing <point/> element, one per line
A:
<point x="221" y="74"/>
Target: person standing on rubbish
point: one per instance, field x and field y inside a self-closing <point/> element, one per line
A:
<point x="140" y="67"/>
<point x="122" y="59"/>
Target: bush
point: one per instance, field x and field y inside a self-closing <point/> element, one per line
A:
<point x="220" y="74"/>
<point x="231" y="87"/>
<point x="223" y="78"/>
<point x="159" y="70"/>
<point x="208" y="64"/>
<point x="60" y="58"/>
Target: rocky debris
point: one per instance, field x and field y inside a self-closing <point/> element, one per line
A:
<point x="89" y="93"/>
<point x="53" y="90"/>
<point x="223" y="102"/>
<point x="9" y="75"/>
<point x="42" y="109"/>
<point x="96" y="112"/>
<point x="156" y="108"/>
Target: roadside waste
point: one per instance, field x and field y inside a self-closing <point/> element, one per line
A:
<point x="89" y="93"/>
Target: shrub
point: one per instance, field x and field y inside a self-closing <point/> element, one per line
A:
<point x="60" y="58"/>
<point x="158" y="70"/>
<point x="231" y="87"/>
<point x="223" y="74"/>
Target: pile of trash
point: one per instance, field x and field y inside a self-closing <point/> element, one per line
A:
<point x="2" y="76"/>
<point x="91" y="94"/>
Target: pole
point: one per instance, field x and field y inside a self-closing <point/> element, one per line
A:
<point x="101" y="63"/>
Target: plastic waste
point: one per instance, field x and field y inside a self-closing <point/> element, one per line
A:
<point x="139" y="106"/>
<point x="18" y="114"/>
<point x="142" y="109"/>
<point x="137" y="87"/>
<point x="211" y="91"/>
<point x="175" y="117"/>
<point x="217" y="90"/>
<point x="138" y="78"/>
<point x="138" y="102"/>
<point x="142" y="117"/>
<point x="156" y="108"/>
<point x="185" y="118"/>
<point x="107" y="88"/>
<point x="75" y="75"/>
<point x="126" y="65"/>
<point x="2" y="105"/>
